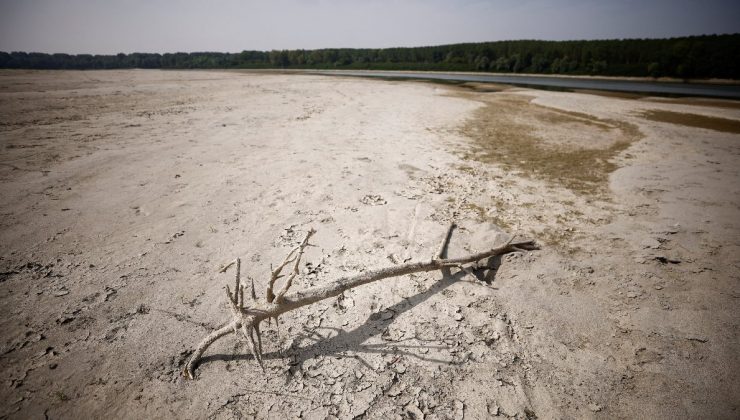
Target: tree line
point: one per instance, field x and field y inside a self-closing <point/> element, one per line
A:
<point x="706" y="56"/>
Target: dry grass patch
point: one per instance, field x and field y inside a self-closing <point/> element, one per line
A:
<point x="694" y="120"/>
<point x="717" y="103"/>
<point x="567" y="148"/>
<point x="611" y="94"/>
<point x="484" y="215"/>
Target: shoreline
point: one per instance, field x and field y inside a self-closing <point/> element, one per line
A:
<point x="673" y="80"/>
<point x="722" y="82"/>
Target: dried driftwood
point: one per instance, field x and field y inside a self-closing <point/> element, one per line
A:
<point x="247" y="318"/>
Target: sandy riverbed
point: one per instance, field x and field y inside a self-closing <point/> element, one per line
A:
<point x="125" y="191"/>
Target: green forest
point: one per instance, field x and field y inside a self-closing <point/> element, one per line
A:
<point x="694" y="57"/>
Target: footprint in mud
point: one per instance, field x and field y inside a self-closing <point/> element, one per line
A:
<point x="138" y="211"/>
<point x="373" y="200"/>
<point x="174" y="237"/>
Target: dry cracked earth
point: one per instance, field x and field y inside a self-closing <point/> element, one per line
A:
<point x="125" y="191"/>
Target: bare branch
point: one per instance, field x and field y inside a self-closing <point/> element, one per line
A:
<point x="229" y="295"/>
<point x="210" y="339"/>
<point x="249" y="333"/>
<point x="445" y="241"/>
<point x="225" y="267"/>
<point x="252" y="293"/>
<point x="296" y="268"/>
<point x="237" y="280"/>
<point x="248" y="319"/>
<point x="291" y="257"/>
<point x="241" y="297"/>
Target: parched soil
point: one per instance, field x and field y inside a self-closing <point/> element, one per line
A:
<point x="124" y="192"/>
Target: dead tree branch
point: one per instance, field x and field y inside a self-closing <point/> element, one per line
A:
<point x="246" y="319"/>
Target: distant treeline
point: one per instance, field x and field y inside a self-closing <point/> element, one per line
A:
<point x="709" y="56"/>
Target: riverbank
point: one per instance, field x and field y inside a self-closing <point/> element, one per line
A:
<point x="725" y="89"/>
<point x="564" y="76"/>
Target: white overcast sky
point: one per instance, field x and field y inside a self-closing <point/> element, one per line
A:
<point x="105" y="27"/>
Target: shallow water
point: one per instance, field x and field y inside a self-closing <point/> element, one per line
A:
<point x="652" y="88"/>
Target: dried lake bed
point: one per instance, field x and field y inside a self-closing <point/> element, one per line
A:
<point x="125" y="191"/>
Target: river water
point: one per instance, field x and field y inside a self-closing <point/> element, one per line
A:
<point x="566" y="83"/>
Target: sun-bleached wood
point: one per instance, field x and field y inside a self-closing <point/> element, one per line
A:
<point x="247" y="319"/>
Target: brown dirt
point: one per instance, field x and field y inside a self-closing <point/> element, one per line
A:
<point x="694" y="120"/>
<point x="707" y="102"/>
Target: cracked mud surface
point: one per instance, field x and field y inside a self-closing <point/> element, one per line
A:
<point x="125" y="191"/>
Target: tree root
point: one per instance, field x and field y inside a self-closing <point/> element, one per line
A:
<point x="246" y="319"/>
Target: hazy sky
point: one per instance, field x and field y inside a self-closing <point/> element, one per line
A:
<point x="104" y="27"/>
